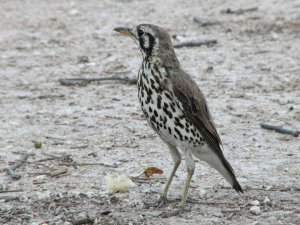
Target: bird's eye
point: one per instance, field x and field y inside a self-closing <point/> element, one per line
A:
<point x="140" y="32"/>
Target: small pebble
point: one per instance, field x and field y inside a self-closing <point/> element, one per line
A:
<point x="267" y="201"/>
<point x="256" y="223"/>
<point x="202" y="193"/>
<point x="42" y="195"/>
<point x="268" y="188"/>
<point x="255" y="210"/>
<point x="40" y="179"/>
<point x="73" y="12"/>
<point x="254" y="203"/>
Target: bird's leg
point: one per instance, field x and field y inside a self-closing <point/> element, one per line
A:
<point x="190" y="164"/>
<point x="177" y="160"/>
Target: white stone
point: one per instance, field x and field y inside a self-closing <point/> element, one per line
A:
<point x="202" y="193"/>
<point x="255" y="210"/>
<point x="254" y="203"/>
<point x="267" y="201"/>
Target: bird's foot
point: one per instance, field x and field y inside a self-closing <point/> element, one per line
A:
<point x="157" y="204"/>
<point x="175" y="212"/>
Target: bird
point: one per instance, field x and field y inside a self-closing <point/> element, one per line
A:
<point x="176" y="108"/>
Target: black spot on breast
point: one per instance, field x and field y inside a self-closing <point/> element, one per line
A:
<point x="177" y="122"/>
<point x="168" y="96"/>
<point x="165" y="120"/>
<point x="155" y="113"/>
<point x="172" y="107"/>
<point x="193" y="132"/>
<point x="186" y="138"/>
<point x="165" y="108"/>
<point x="159" y="101"/>
<point x="157" y="71"/>
<point x="146" y="114"/>
<point x="156" y="78"/>
<point x="152" y="118"/>
<point x="179" y="133"/>
<point x="150" y="109"/>
<point x="170" y="131"/>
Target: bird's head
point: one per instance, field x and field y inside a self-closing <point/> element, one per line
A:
<point x="153" y="41"/>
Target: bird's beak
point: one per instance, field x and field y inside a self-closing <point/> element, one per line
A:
<point x="126" y="31"/>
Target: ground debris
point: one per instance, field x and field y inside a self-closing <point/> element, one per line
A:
<point x="239" y="11"/>
<point x="207" y="42"/>
<point x="280" y="129"/>
<point x="17" y="164"/>
<point x="86" y="81"/>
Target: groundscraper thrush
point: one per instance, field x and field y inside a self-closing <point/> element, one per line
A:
<point x="175" y="107"/>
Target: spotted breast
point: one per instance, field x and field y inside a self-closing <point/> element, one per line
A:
<point x="162" y="109"/>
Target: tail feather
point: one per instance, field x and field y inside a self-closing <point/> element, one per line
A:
<point x="234" y="183"/>
<point x="219" y="163"/>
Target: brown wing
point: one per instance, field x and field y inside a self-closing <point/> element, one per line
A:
<point x="195" y="107"/>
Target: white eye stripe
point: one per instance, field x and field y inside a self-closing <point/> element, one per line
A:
<point x="146" y="41"/>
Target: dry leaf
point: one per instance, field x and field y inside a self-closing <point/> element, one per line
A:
<point x="149" y="171"/>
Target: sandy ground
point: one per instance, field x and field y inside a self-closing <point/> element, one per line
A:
<point x="251" y="75"/>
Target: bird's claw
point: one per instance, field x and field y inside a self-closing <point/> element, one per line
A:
<point x="176" y="212"/>
<point x="157" y="204"/>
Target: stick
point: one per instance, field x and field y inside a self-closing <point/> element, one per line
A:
<point x="82" y="221"/>
<point x="208" y="42"/>
<point x="22" y="160"/>
<point x="88" y="164"/>
<point x="51" y="96"/>
<point x="7" y="191"/>
<point x="85" y="81"/>
<point x="206" y="203"/>
<point x="279" y="129"/>
<point x="239" y="11"/>
<point x="9" y="198"/>
<point x="203" y="23"/>
<point x="230" y="210"/>
<point x="36" y="163"/>
<point x="58" y="172"/>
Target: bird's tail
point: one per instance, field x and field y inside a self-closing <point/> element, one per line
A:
<point x="219" y="163"/>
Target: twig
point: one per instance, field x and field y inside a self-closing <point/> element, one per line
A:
<point x="279" y="129"/>
<point x="204" y="23"/>
<point x="89" y="164"/>
<point x="271" y="189"/>
<point x="51" y="96"/>
<point x="19" y="163"/>
<point x="55" y="173"/>
<point x="239" y="11"/>
<point x="7" y="191"/>
<point x="36" y="163"/>
<point x="208" y="42"/>
<point x="231" y="210"/>
<point x="85" y="81"/>
<point x="9" y="198"/>
<point x="82" y="221"/>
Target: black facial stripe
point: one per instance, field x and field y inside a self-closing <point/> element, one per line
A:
<point x="149" y="49"/>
